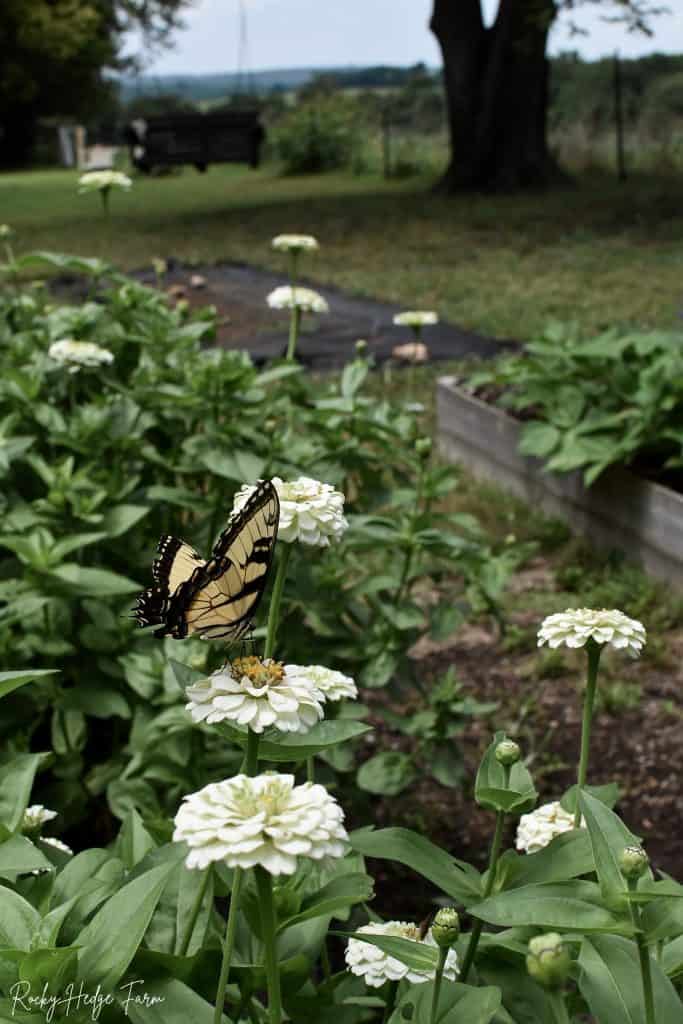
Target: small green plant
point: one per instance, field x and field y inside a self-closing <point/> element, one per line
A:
<point x="617" y="696"/>
<point x="436" y="728"/>
<point x="550" y="665"/>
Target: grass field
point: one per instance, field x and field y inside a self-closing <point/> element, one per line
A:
<point x="600" y="252"/>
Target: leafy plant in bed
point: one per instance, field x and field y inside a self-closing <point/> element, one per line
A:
<point x="615" y="399"/>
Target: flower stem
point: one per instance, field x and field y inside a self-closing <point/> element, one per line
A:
<point x="251" y="756"/>
<point x="294" y="325"/>
<point x="438" y="977"/>
<point x="295" y="315"/>
<point x="412" y="372"/>
<point x="648" y="995"/>
<point x="228" y="945"/>
<point x="391" y="999"/>
<point x="410" y="550"/>
<point x="293" y="263"/>
<point x="310" y="769"/>
<point x="275" y="600"/>
<point x="644" y="958"/>
<point x="264" y="886"/>
<point x="194" y="914"/>
<point x="593" y="651"/>
<point x="478" y="925"/>
<point x="558" y="1006"/>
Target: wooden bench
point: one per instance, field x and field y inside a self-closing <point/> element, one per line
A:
<point x="198" y="139"/>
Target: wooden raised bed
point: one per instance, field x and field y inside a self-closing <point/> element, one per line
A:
<point x="620" y="511"/>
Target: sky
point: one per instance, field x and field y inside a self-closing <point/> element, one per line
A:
<point x="325" y="33"/>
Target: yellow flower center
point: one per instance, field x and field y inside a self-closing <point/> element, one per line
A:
<point x="259" y="673"/>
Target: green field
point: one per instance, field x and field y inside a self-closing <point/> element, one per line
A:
<point x="599" y="252"/>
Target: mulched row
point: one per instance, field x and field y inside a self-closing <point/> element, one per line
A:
<point x="238" y="291"/>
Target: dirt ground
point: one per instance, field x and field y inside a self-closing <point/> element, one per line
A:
<point x="635" y="743"/>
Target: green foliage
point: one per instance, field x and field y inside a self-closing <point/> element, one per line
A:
<point x="435" y="728"/>
<point x="56" y="53"/>
<point x="315" y="137"/>
<point x="620" y="399"/>
<point x="98" y="464"/>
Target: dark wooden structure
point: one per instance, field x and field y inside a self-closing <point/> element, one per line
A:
<point x="233" y="137"/>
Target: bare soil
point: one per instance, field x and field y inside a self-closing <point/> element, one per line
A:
<point x="639" y="747"/>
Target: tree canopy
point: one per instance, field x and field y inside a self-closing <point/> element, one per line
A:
<point x="54" y="55"/>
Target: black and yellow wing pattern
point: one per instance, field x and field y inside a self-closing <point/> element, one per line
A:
<point x="217" y="598"/>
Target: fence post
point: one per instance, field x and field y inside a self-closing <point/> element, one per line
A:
<point x="619" y="119"/>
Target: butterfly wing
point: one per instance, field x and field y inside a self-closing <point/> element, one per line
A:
<point x="215" y="599"/>
<point x="175" y="564"/>
<point x="220" y="602"/>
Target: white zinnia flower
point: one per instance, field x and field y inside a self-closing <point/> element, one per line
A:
<point x="310" y="511"/>
<point x="303" y="299"/>
<point x="575" y="626"/>
<point x="256" y="693"/>
<point x="95" y="181"/>
<point x="416" y="318"/>
<point x="295" y="243"/>
<point x="57" y="844"/>
<point x="75" y="354"/>
<point x="376" y="967"/>
<point x="262" y="819"/>
<point x="331" y="684"/>
<point x="539" y="828"/>
<point x="36" y="816"/>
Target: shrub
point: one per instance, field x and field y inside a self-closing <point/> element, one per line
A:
<point x="315" y="137"/>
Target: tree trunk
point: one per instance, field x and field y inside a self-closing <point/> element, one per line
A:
<point x="496" y="83"/>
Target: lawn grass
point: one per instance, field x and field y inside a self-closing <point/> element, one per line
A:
<point x="600" y="252"/>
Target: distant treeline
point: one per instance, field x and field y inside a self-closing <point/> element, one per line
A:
<point x="582" y="95"/>
<point x="199" y="88"/>
<point x="579" y="89"/>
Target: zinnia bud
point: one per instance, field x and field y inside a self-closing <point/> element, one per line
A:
<point x="423" y="447"/>
<point x="446" y="927"/>
<point x="361" y="347"/>
<point x="633" y="863"/>
<point x="548" y="960"/>
<point x="508" y="753"/>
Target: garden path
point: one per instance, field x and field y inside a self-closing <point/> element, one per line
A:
<point x="327" y="342"/>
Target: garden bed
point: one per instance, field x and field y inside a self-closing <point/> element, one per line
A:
<point x="636" y="738"/>
<point x="238" y="292"/>
<point x="620" y="511"/>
